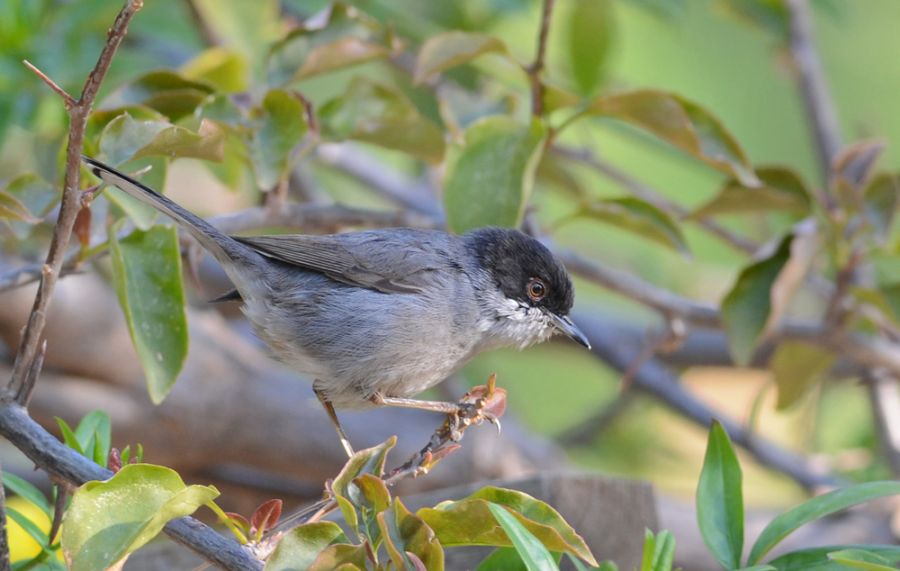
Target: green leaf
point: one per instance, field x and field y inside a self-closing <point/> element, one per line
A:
<point x="720" y="501"/>
<point x="165" y="91"/>
<point x="508" y="559"/>
<point x="489" y="177"/>
<point x="222" y="109"/>
<point x="94" y="433"/>
<point x="469" y="522"/>
<point x="222" y="68"/>
<point x="29" y="526"/>
<point x="339" y="37"/>
<point x="300" y="547"/>
<point x="796" y="367"/>
<point x="375" y="113"/>
<point x="281" y="125"/>
<point x="245" y="27"/>
<point x="816" y="558"/>
<point x="769" y="15"/>
<point x="208" y="143"/>
<point x="450" y="49"/>
<point x="337" y="557"/>
<point x="405" y="533"/>
<point x="681" y="123"/>
<point x="108" y="520"/>
<point x="27" y="491"/>
<point x="30" y="198"/>
<point x="817" y="508"/>
<point x="124" y="136"/>
<point x="147" y="275"/>
<point x="591" y="29"/>
<point x="746" y="307"/>
<point x="861" y="559"/>
<point x="880" y="203"/>
<point x="69" y="438"/>
<point x="782" y="191"/>
<point x="659" y="551"/>
<point x="368" y="461"/>
<point x="640" y="217"/>
<point x="533" y="553"/>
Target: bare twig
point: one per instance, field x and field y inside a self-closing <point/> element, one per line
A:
<point x="536" y="68"/>
<point x="71" y="199"/>
<point x="68" y="100"/>
<point x="817" y="98"/>
<point x="884" y="396"/>
<point x="644" y="192"/>
<point x="60" y="461"/>
<point x="207" y="35"/>
<point x="27" y="388"/>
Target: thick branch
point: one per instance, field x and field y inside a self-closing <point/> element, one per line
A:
<point x="50" y="455"/>
<point x="71" y="200"/>
<point x="811" y="77"/>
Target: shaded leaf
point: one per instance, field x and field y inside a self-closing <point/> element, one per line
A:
<point x="11" y="208"/>
<point x="489" y="177"/>
<point x="450" y="49"/>
<point x="556" y="98"/>
<point x="817" y="508"/>
<point x="720" y="500"/>
<point x="681" y="123"/>
<point x="816" y="558"/>
<point x="300" y="547"/>
<point x="375" y="113"/>
<point x="207" y="143"/>
<point x="590" y="24"/>
<point x="880" y="200"/>
<point x="147" y="276"/>
<point x="165" y="91"/>
<point x="508" y="559"/>
<point x="95" y="432"/>
<point x="340" y="557"/>
<point x="124" y="136"/>
<point x="533" y="553"/>
<point x="245" y="27"/>
<point x="781" y="191"/>
<point x="68" y="435"/>
<point x="861" y="559"/>
<point x="26" y="490"/>
<point x="796" y="367"/>
<point x="640" y="217"/>
<point x="368" y="461"/>
<point x="281" y="124"/>
<point x="222" y="68"/>
<point x="339" y="37"/>
<point x="469" y="522"/>
<point x="221" y="109"/>
<point x="770" y="15"/>
<point x="31" y="528"/>
<point x="405" y="533"/>
<point x="31" y="193"/>
<point x="108" y="520"/>
<point x="854" y="165"/>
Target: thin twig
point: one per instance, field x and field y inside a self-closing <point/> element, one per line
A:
<point x="68" y="100"/>
<point x="79" y="112"/>
<point x="207" y="35"/>
<point x="27" y="388"/>
<point x="536" y="68"/>
<point x="819" y="104"/>
<point x="884" y="396"/>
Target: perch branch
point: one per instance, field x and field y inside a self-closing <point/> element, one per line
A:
<point x="79" y="111"/>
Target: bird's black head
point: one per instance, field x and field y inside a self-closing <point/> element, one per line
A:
<point x="525" y="271"/>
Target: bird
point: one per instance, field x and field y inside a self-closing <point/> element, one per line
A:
<point x="375" y="317"/>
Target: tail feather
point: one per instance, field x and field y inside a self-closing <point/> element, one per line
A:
<point x="225" y="248"/>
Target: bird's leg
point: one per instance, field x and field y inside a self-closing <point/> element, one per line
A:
<point x="329" y="408"/>
<point x="461" y="414"/>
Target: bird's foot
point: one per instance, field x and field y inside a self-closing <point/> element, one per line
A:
<point x="484" y="402"/>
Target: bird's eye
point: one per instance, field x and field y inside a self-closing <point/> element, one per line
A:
<point x="536" y="289"/>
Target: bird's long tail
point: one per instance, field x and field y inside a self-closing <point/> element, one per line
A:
<point x="225" y="248"/>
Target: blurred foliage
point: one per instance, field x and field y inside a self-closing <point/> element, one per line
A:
<point x="686" y="95"/>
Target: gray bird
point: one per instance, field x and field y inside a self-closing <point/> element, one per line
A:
<point x="379" y="316"/>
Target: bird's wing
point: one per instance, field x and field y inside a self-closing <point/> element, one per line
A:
<point x="394" y="261"/>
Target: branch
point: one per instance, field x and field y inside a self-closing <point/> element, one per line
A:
<point x="536" y="68"/>
<point x="71" y="200"/>
<point x="4" y="540"/>
<point x="819" y="105"/>
<point x="58" y="460"/>
<point x="884" y="397"/>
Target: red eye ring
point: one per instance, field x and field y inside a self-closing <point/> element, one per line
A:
<point x="536" y="289"/>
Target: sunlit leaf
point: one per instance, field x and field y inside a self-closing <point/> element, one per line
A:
<point x="449" y="49"/>
<point x="368" y="461"/>
<point x="470" y="522"/>
<point x="165" y="91"/>
<point x="95" y="430"/>
<point x="300" y="547"/>
<point x="375" y="113"/>
<point x="782" y="191"/>
<point x="147" y="276"/>
<point x="816" y="558"/>
<point x="26" y="490"/>
<point x="108" y="520"/>
<point x="489" y="177"/>
<point x="590" y="26"/>
<point x="405" y="533"/>
<point x="796" y="367"/>
<point x="533" y="553"/>
<point x="207" y="143"/>
<point x="281" y="125"/>
<point x="340" y="557"/>
<point x="223" y="69"/>
<point x="640" y="217"/>
<point x="659" y="551"/>
<point x="861" y="559"/>
<point x="720" y="500"/>
<point x="681" y="123"/>
<point x="817" y="508"/>
<point x="508" y="559"/>
<point x="245" y="27"/>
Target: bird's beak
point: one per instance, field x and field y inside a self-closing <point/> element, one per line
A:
<point x="565" y="325"/>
